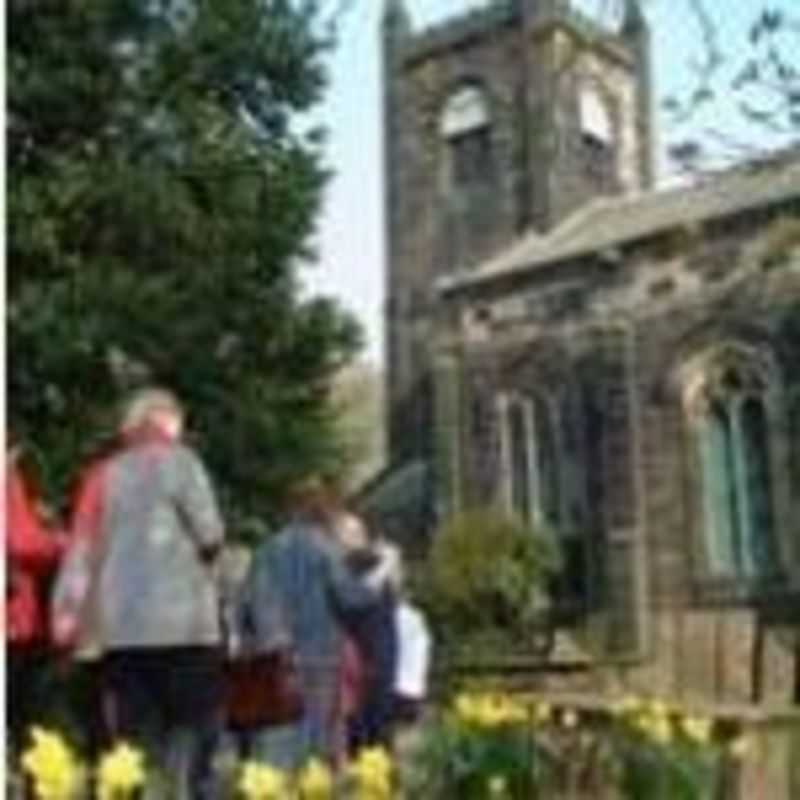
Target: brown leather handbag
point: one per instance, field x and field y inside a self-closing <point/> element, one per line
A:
<point x="263" y="690"/>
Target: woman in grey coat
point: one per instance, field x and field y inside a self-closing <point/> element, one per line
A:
<point x="154" y="604"/>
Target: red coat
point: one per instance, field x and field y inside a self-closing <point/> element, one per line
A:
<point x="32" y="554"/>
<point x="72" y="608"/>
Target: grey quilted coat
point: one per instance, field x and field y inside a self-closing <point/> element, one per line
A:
<point x="160" y="528"/>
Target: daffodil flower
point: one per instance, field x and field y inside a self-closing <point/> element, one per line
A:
<point x="697" y="729"/>
<point x="262" y="782"/>
<point x="569" y="719"/>
<point x="489" y="711"/>
<point x="542" y="713"/>
<point x="741" y="747"/>
<point x="498" y="787"/>
<point x="315" y="782"/>
<point x="120" y="773"/>
<point x="372" y="774"/>
<point x="51" y="765"/>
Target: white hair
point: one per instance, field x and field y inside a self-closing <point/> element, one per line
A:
<point x="144" y="404"/>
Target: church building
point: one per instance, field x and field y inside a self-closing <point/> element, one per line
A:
<point x="616" y="363"/>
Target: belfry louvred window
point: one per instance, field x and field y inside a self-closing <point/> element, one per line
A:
<point x="466" y="130"/>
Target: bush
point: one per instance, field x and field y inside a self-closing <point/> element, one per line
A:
<point x="488" y="573"/>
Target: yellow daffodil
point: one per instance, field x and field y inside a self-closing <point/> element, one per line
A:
<point x="120" y="773"/>
<point x="315" y="782"/>
<point x="372" y="774"/>
<point x="569" y="718"/>
<point x="498" y="787"/>
<point x="488" y="711"/>
<point x="659" y="729"/>
<point x="541" y="713"/>
<point x="628" y="706"/>
<point x="658" y="708"/>
<point x="741" y="747"/>
<point x="262" y="782"/>
<point x="51" y="765"/>
<point x="651" y="718"/>
<point x="697" y="729"/>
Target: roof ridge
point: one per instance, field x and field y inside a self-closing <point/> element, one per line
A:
<point x="611" y="220"/>
<point x="577" y="218"/>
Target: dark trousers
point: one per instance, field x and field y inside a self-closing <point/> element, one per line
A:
<point x="90" y="706"/>
<point x="64" y="696"/>
<point x="25" y="693"/>
<point x="376" y="637"/>
<point x="371" y="726"/>
<point x="169" y="702"/>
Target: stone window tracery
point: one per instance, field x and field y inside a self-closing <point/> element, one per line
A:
<point x="728" y="399"/>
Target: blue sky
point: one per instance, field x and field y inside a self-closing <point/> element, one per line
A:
<point x="351" y="240"/>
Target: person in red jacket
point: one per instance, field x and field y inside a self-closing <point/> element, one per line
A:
<point x="90" y="695"/>
<point x="32" y="553"/>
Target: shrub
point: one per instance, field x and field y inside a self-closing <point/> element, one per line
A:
<point x="487" y="572"/>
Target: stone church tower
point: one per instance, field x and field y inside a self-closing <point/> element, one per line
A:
<point x="497" y="123"/>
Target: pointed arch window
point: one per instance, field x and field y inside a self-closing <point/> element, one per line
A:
<point x="730" y="412"/>
<point x="533" y="459"/>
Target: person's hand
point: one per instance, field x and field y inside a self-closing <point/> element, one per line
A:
<point x="62" y="540"/>
<point x="390" y="555"/>
<point x="387" y="567"/>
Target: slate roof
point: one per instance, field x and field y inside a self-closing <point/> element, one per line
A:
<point x="400" y="501"/>
<point x="609" y="222"/>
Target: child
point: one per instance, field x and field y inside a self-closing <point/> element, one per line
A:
<point x="413" y="661"/>
<point x="374" y="638"/>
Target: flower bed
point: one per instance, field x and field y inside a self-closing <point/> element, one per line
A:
<point x="483" y="746"/>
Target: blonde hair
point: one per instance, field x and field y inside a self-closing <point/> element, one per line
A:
<point x="144" y="404"/>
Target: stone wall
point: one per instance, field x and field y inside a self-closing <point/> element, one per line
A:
<point x="654" y="612"/>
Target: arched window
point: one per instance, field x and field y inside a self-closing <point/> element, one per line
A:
<point x="597" y="142"/>
<point x="534" y="464"/>
<point x="465" y="127"/>
<point x="729" y="409"/>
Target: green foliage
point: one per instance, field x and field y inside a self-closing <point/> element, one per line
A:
<point x="161" y="199"/>
<point x="677" y="772"/>
<point x="452" y="761"/>
<point x="488" y="571"/>
<point x="509" y="747"/>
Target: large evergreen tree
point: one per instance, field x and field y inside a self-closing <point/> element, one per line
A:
<point x="162" y="193"/>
